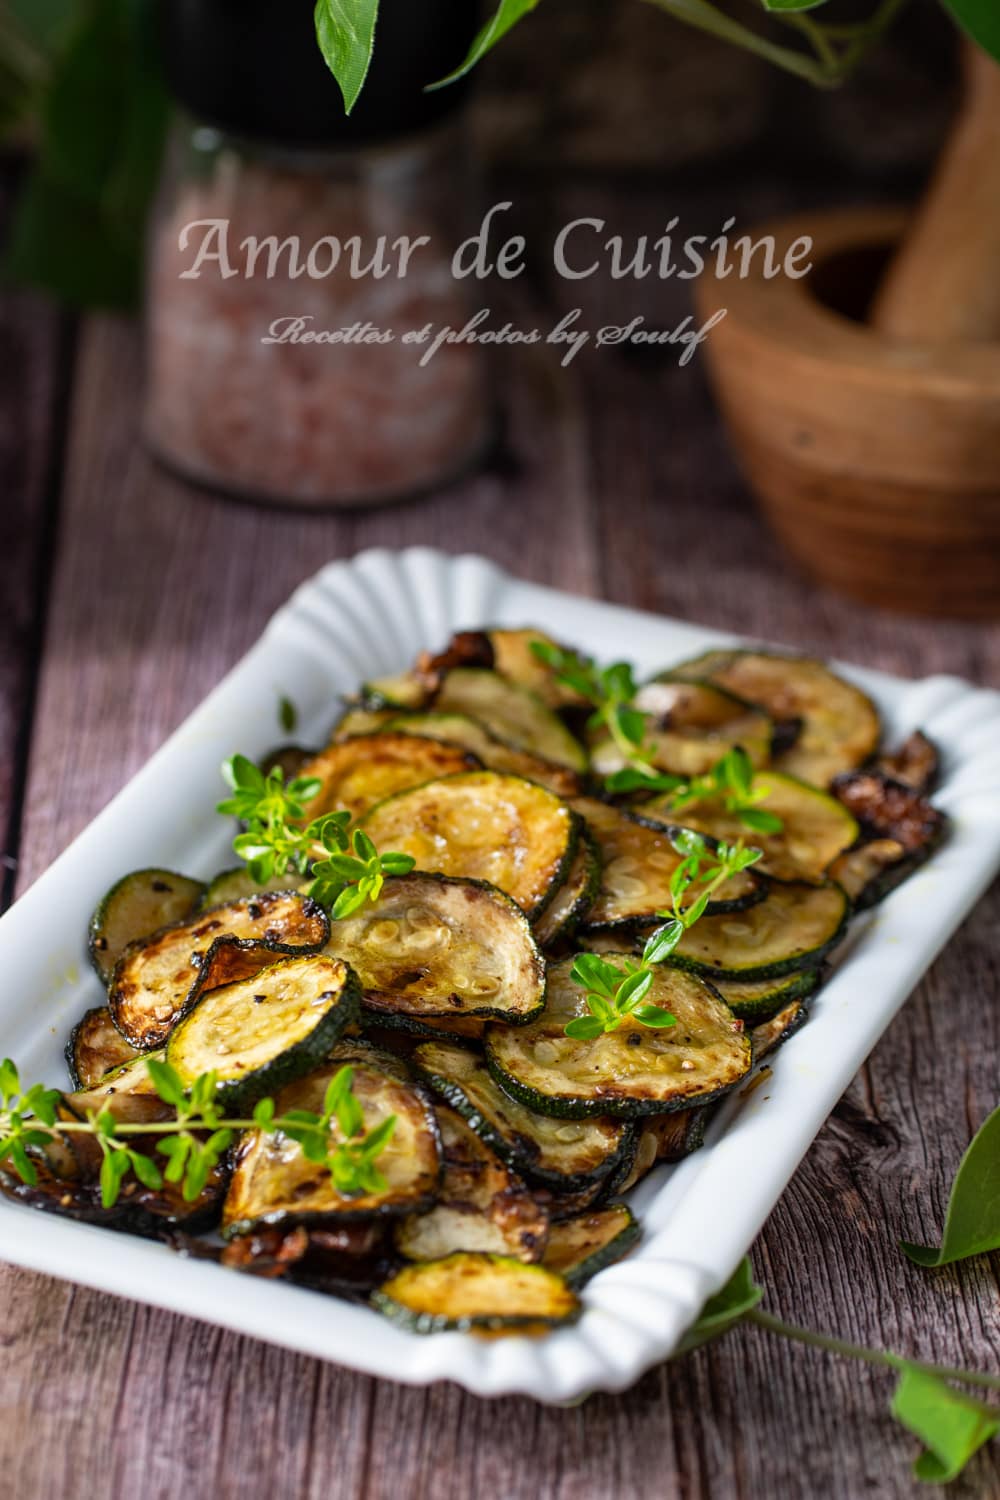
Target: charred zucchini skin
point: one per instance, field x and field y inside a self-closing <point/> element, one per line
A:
<point x="516" y="1150"/>
<point x="777" y="967"/>
<point x="775" y="995"/>
<point x="235" y="884"/>
<point x="292" y="1061"/>
<point x="557" y="1303"/>
<point x="561" y="919"/>
<point x="766" y="1038"/>
<point x="622" y="1229"/>
<point x="137" y="905"/>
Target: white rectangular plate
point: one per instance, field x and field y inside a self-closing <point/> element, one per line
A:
<point x="367" y="617"/>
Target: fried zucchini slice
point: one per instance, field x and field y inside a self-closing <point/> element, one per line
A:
<point x="156" y="978"/>
<point x="793" y="929"/>
<point x="477" y="1293"/>
<point x="817" y="827"/>
<point x="663" y="1138"/>
<point x="274" y="1183"/>
<point x="638" y="860"/>
<point x="769" y="1035"/>
<point x="95" y="1047"/>
<point x="574" y="898"/>
<point x="692" y="725"/>
<point x="757" y="1000"/>
<point x="130" y="1079"/>
<point x="258" y="1034"/>
<point x="459" y="729"/>
<point x="483" y="825"/>
<point x="566" y="1156"/>
<point x="508" y="652"/>
<point x="355" y="721"/>
<point x="580" y="1247"/>
<point x="636" y="1070"/>
<point x="839" y="724"/>
<point x="482" y="1204"/>
<point x="233" y="885"/>
<point x="916" y="763"/>
<point x="135" y="906"/>
<point x="358" y="773"/>
<point x="439" y="947"/>
<point x="402" y="690"/>
<point x="512" y="713"/>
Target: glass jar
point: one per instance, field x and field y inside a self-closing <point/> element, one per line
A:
<point x="294" y="298"/>
<point x="300" y="259"/>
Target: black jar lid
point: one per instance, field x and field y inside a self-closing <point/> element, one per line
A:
<point x="254" y="67"/>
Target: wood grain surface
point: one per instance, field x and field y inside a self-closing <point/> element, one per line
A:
<point x="612" y="480"/>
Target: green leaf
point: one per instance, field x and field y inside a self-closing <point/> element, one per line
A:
<point x="972" y="1223"/>
<point x="584" y="1028"/>
<point x="632" y="724"/>
<point x="592" y="972"/>
<point x="689" y="844"/>
<point x="345" y="30"/>
<point x="759" y="821"/>
<point x="146" y="1170"/>
<point x="654" y="1015"/>
<point x="506" y="16"/>
<point x="397" y="864"/>
<point x="288" y="714"/>
<point x="980" y="19"/>
<point x="786" y="5"/>
<point x="952" y="1425"/>
<point x="42" y="1102"/>
<point x="10" y="1082"/>
<point x="632" y="990"/>
<point x="263" y="1113"/>
<point x="23" y="1164"/>
<point x="349" y="901"/>
<point x="661" y="943"/>
<point x="167" y="1082"/>
<point x="113" y="1168"/>
<point x="726" y="1308"/>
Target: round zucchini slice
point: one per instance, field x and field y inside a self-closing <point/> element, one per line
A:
<point x="565" y="1156"/>
<point x="355" y="721"/>
<point x="638" y="860"/>
<point x="404" y="690"/>
<point x="793" y="929"/>
<point x="360" y="772"/>
<point x="692" y="725"/>
<point x="839" y="724"/>
<point x="274" y="1183"/>
<point x="459" y="729"/>
<point x="816" y="826"/>
<point x="233" y="885"/>
<point x="439" y="947"/>
<point x="580" y="1247"/>
<point x="663" y="1138"/>
<point x="512" y="713"/>
<point x="95" y="1047"/>
<point x="261" y="1033"/>
<point x="636" y="1070"/>
<point x="476" y="1293"/>
<point x="757" y="1000"/>
<point x="574" y="898"/>
<point x="130" y="1080"/>
<point x="156" y="978"/>
<point x="483" y="825"/>
<point x="514" y="659"/>
<point x="769" y="1035"/>
<point x="481" y="1205"/>
<point x="135" y="906"/>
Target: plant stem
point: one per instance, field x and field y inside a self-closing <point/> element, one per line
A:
<point x="704" y="16"/>
<point x="880" y="1357"/>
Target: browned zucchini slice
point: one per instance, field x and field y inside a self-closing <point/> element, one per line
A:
<point x="638" y="860"/>
<point x="793" y="929"/>
<point x="138" y="904"/>
<point x="459" y="729"/>
<point x="274" y="1183"/>
<point x="439" y="947"/>
<point x="357" y="721"/>
<point x="482" y="1204"/>
<point x="574" y="898"/>
<point x="756" y="1000"/>
<point x="691" y="727"/>
<point x="508" y="652"/>
<point x="563" y="1155"/>
<point x="477" y="1293"/>
<point x="915" y="763"/>
<point x="484" y="826"/>
<point x="360" y="772"/>
<point x="816" y="826"/>
<point x="512" y="713"/>
<point x="404" y="690"/>
<point x="636" y="1070"/>
<point x="156" y="977"/>
<point x="234" y="884"/>
<point x="130" y="1079"/>
<point x="258" y="1034"/>
<point x="839" y="724"/>
<point x="663" y="1138"/>
<point x="769" y="1035"/>
<point x="580" y="1247"/>
<point x="95" y="1047"/>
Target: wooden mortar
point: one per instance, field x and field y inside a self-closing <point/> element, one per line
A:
<point x="864" y="399"/>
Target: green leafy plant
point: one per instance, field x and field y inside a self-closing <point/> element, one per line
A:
<point x="197" y="1136"/>
<point x="616" y="991"/>
<point x="278" y="837"/>
<point x="972" y="1223"/>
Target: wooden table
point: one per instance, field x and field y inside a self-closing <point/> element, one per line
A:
<point x="125" y="597"/>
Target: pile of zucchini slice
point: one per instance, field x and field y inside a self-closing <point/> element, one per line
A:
<point x="449" y="995"/>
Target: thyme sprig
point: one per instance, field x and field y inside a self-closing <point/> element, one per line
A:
<point x="616" y="991"/>
<point x="278" y="837"/>
<point x="195" y="1139"/>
